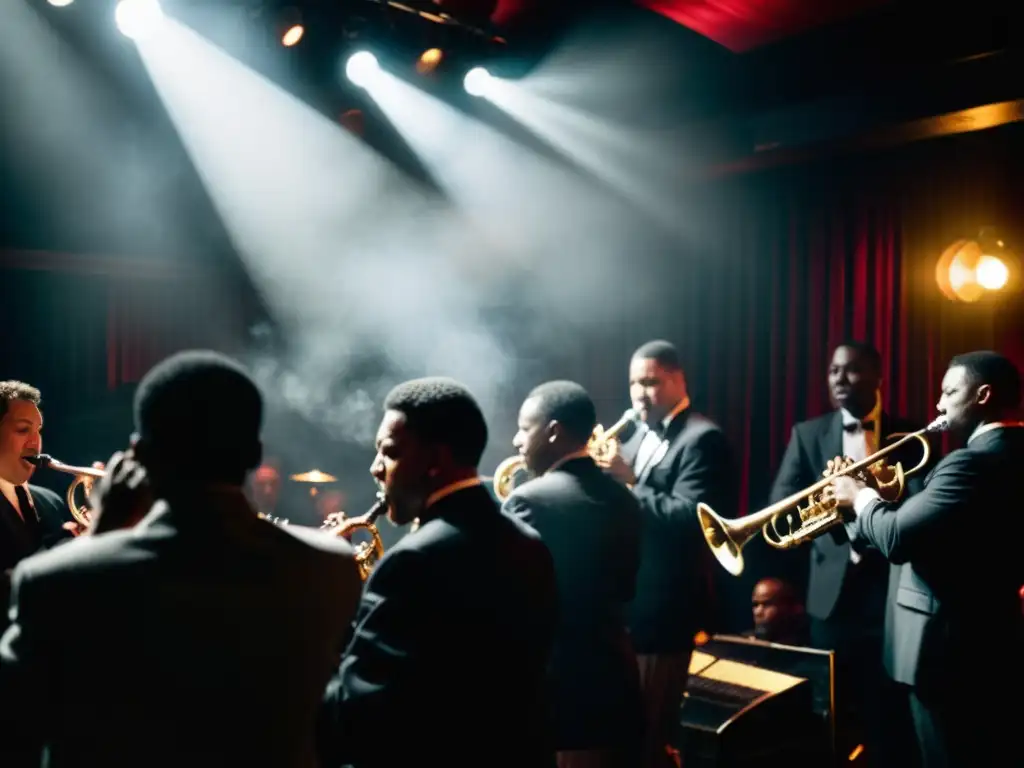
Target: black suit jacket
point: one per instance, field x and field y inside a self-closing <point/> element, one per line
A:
<point x="958" y="616"/>
<point x="452" y="637"/>
<point x="673" y="595"/>
<point x="591" y="525"/>
<point x="16" y="542"/>
<point x="204" y="636"/>
<point x="811" y="445"/>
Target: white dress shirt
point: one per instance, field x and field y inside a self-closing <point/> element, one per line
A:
<point x="653" y="445"/>
<point x="858" y="443"/>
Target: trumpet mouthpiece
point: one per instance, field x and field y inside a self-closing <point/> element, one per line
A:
<point x="41" y="460"/>
<point x="939" y="425"/>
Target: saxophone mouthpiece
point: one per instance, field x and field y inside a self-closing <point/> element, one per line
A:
<point x="40" y="460"/>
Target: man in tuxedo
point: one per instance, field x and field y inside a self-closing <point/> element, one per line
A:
<point x="201" y="636"/>
<point x="684" y="458"/>
<point x="591" y="525"/>
<point x="448" y="659"/>
<point x="958" y="627"/>
<point x="848" y="583"/>
<point x="31" y="518"/>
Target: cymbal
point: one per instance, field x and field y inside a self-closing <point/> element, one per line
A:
<point x="314" y="476"/>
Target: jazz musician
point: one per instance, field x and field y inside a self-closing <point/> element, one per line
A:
<point x="849" y="582"/>
<point x="31" y="518"/>
<point x="591" y="524"/>
<point x="684" y="459"/>
<point x="201" y="636"/>
<point x="448" y="660"/>
<point x="958" y="626"/>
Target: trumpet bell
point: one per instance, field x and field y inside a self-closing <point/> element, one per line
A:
<point x="511" y="473"/>
<point x="726" y="540"/>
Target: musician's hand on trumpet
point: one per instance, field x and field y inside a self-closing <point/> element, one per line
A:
<point x="611" y="461"/>
<point x="122" y="496"/>
<point x="844" y="489"/>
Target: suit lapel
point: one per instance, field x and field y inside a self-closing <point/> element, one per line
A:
<point x="830" y="442"/>
<point x="674" y="429"/>
<point x="15" y="527"/>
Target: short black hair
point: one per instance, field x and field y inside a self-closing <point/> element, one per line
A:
<point x="17" y="390"/>
<point x="442" y="411"/>
<point x="864" y="350"/>
<point x="996" y="370"/>
<point x="664" y="353"/>
<point x="569" y="404"/>
<point x="202" y="413"/>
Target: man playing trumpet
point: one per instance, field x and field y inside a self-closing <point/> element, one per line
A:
<point x="684" y="459"/>
<point x="31" y="518"/>
<point x="957" y="626"/>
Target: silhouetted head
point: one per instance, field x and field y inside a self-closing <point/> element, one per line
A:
<point x="433" y="434"/>
<point x="198" y="416"/>
<point x="556" y="419"/>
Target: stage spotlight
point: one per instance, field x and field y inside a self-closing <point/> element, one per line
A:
<point x="138" y="19"/>
<point x="361" y="67"/>
<point x="290" y="27"/>
<point x="292" y="35"/>
<point x="429" y="60"/>
<point x="478" y="81"/>
<point x="60" y="3"/>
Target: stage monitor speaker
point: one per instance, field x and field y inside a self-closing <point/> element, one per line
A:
<point x="746" y="704"/>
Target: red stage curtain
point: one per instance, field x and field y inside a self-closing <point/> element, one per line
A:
<point x="811" y="257"/>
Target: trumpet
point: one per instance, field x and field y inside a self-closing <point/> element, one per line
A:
<point x="726" y="538"/>
<point x="600" y="446"/>
<point x="368" y="553"/>
<point x="84" y="477"/>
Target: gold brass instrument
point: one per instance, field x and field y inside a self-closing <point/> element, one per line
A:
<point x="728" y="537"/>
<point x="507" y="476"/>
<point x="599" y="446"/>
<point x="368" y="553"/>
<point x="84" y="477"/>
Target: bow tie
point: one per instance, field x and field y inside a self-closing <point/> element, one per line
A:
<point x="658" y="430"/>
<point x="855" y="426"/>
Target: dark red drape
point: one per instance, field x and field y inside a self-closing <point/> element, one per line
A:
<point x="784" y="265"/>
<point x="809" y="257"/>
